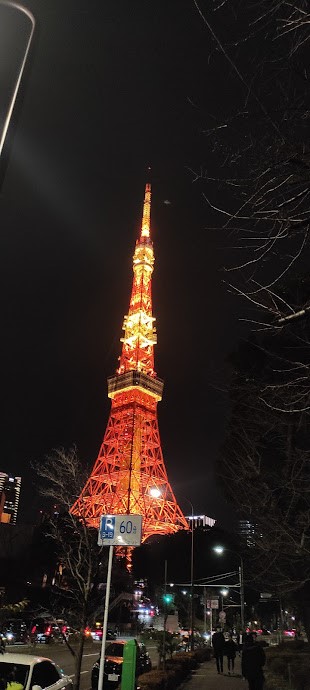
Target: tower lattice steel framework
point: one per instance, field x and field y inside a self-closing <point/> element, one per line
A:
<point x="129" y="475"/>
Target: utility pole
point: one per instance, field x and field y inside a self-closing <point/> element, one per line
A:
<point x="241" y="580"/>
<point x="192" y="581"/>
<point x="165" y="618"/>
<point x="204" y="610"/>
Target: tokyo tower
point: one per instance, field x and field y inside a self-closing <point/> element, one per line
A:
<point x="129" y="475"/>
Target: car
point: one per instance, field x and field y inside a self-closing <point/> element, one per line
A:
<point x="15" y="632"/>
<point x="113" y="664"/>
<point x="44" y="632"/>
<point x="33" y="672"/>
<point x="96" y="634"/>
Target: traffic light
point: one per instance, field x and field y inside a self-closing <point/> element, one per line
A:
<point x="168" y="598"/>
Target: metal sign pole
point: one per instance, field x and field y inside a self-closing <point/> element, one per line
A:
<point x="105" y="620"/>
<point x="121" y="530"/>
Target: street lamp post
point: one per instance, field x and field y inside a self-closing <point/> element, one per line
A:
<point x="220" y="550"/>
<point x="192" y="580"/>
<point x="224" y="593"/>
<point x="192" y="575"/>
<point x="156" y="493"/>
<point x="241" y="580"/>
<point x="165" y="619"/>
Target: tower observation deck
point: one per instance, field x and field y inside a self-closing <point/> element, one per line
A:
<point x="129" y="475"/>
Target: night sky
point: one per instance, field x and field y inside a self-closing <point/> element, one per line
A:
<point x="110" y="88"/>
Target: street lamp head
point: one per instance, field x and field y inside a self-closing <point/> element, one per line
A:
<point x="218" y="549"/>
<point x="224" y="592"/>
<point x="154" y="492"/>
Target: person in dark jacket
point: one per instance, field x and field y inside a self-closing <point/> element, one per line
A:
<point x="230" y="651"/>
<point x="218" y="644"/>
<point x="252" y="662"/>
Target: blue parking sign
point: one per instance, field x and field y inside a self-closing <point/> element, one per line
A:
<point x="107" y="527"/>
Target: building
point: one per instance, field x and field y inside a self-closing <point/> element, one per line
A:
<point x="9" y="497"/>
<point x="200" y="521"/>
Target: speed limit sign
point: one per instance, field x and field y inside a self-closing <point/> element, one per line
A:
<point x="120" y="530"/>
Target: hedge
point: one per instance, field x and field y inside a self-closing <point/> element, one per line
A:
<point x="176" y="671"/>
<point x="288" y="667"/>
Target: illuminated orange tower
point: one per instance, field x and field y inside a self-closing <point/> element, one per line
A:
<point x="129" y="475"/>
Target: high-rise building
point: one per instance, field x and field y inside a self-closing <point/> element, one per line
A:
<point x="9" y="497"/>
<point x="129" y="475"/>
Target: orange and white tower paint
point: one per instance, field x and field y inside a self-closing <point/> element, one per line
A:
<point x="129" y="475"/>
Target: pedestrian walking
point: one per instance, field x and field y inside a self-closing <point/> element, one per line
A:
<point x="218" y="644"/>
<point x="252" y="662"/>
<point x="230" y="651"/>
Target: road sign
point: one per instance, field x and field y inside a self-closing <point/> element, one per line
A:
<point x="222" y="616"/>
<point x="120" y="530"/>
<point x="212" y="603"/>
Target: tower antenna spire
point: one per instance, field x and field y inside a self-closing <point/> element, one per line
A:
<point x="146" y="218"/>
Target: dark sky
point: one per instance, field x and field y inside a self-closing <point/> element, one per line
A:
<point x="110" y="88"/>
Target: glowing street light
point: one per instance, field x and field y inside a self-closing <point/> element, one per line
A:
<point x="220" y="550"/>
<point x="223" y="593"/>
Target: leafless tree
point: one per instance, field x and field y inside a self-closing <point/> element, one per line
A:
<point x="62" y="479"/>
<point x="257" y="188"/>
<point x="257" y="182"/>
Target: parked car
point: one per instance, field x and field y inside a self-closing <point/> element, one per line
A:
<point x="113" y="664"/>
<point x="96" y="634"/>
<point x="44" y="632"/>
<point x="33" y="672"/>
<point x="15" y="632"/>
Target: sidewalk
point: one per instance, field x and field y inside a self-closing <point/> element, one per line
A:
<point x="206" y="677"/>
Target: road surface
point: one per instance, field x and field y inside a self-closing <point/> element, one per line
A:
<point x="60" y="654"/>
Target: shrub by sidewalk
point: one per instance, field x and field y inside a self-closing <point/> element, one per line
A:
<point x="176" y="671"/>
<point x="288" y="667"/>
